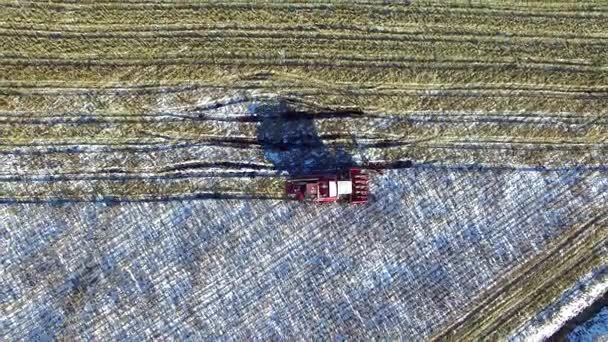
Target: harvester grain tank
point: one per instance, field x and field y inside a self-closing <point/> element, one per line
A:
<point x="351" y="186"/>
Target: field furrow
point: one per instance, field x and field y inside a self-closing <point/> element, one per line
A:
<point x="438" y="32"/>
<point x="390" y="16"/>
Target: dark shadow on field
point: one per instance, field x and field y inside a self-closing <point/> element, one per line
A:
<point x="582" y="320"/>
<point x="290" y="141"/>
<point x="113" y="200"/>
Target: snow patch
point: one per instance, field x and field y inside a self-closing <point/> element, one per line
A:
<point x="577" y="298"/>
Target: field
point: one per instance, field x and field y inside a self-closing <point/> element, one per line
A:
<point x="490" y="119"/>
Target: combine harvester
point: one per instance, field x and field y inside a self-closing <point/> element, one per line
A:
<point x="351" y="186"/>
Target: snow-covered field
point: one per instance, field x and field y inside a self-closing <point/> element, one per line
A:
<point x="405" y="265"/>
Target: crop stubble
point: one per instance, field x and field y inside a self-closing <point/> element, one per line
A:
<point x="103" y="100"/>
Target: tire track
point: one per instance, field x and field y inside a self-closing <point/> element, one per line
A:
<point x="464" y="90"/>
<point x="193" y="170"/>
<point x="72" y="147"/>
<point x="340" y="12"/>
<point x="322" y="33"/>
<point x="119" y="28"/>
<point x="141" y="198"/>
<point x="313" y="60"/>
<point x="45" y="29"/>
<point x="374" y="6"/>
<point x="260" y="80"/>
<point x="456" y="119"/>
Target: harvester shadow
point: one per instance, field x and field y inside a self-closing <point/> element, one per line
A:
<point x="290" y="141"/>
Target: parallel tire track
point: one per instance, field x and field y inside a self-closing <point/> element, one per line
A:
<point x="373" y="5"/>
<point x="311" y="34"/>
<point x="454" y="91"/>
<point x="277" y="31"/>
<point x="499" y="300"/>
<point x="341" y="61"/>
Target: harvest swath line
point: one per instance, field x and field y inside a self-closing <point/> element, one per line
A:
<point x="235" y="170"/>
<point x="119" y="28"/>
<point x="329" y="32"/>
<point x="371" y="5"/>
<point x="311" y="34"/>
<point x="501" y="75"/>
<point x="404" y="12"/>
<point x="414" y="142"/>
<point x="485" y="17"/>
<point x="84" y="119"/>
<point x="554" y="6"/>
<point x="148" y="198"/>
<point x="340" y="89"/>
<point x="68" y="149"/>
<point x="284" y="53"/>
<point x="118" y="175"/>
<point x="387" y="61"/>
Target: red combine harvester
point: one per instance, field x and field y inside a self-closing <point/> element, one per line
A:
<point x="351" y="186"/>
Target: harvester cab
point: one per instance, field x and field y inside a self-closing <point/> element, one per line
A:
<point x="351" y="186"/>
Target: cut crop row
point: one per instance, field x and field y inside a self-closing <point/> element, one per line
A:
<point x="392" y="104"/>
<point x="126" y="30"/>
<point x="471" y="49"/>
<point x="414" y="73"/>
<point x="393" y="16"/>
